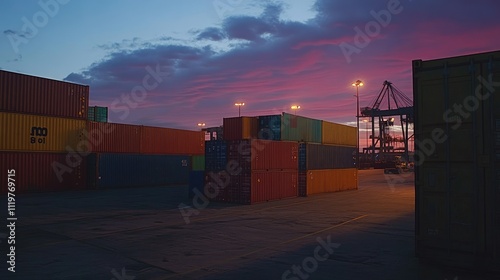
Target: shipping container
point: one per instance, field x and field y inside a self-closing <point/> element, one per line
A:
<point x="215" y="155"/>
<point x="257" y="154"/>
<point x="20" y="93"/>
<point x="40" y="171"/>
<point x="214" y="133"/>
<point x="318" y="156"/>
<point x="97" y="114"/>
<point x="269" y="127"/>
<point x="22" y="132"/>
<point x="301" y="129"/>
<point x="240" y="128"/>
<point x="217" y="185"/>
<point x="273" y="185"/>
<point x="196" y="182"/>
<point x="331" y="180"/>
<point x="198" y="163"/>
<point x="113" y="137"/>
<point x="338" y="134"/>
<point x="457" y="160"/>
<point x="133" y="170"/>
<point x="159" y="140"/>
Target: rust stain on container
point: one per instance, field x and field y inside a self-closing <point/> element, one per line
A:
<point x="22" y="93"/>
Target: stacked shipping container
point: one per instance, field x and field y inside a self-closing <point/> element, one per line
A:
<point x="457" y="171"/>
<point x="45" y="121"/>
<point x="40" y="118"/>
<point x="273" y="166"/>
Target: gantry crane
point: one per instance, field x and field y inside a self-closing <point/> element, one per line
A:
<point x="398" y="104"/>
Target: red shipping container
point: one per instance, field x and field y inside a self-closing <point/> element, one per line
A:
<point x="273" y="185"/>
<point x="38" y="171"/>
<point x="22" y="93"/>
<point x="113" y="137"/>
<point x="158" y="140"/>
<point x="240" y="128"/>
<point x="264" y="154"/>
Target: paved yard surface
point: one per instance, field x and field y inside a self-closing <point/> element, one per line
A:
<point x="128" y="234"/>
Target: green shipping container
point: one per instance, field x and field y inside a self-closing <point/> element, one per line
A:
<point x="198" y="163"/>
<point x="98" y="114"/>
<point x="301" y="129"/>
<point x="457" y="160"/>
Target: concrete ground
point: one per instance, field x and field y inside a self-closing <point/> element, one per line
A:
<point x="127" y="234"/>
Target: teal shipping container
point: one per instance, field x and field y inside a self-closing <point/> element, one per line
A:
<point x="301" y="129"/>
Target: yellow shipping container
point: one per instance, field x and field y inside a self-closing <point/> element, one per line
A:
<point x="331" y="180"/>
<point x="22" y="132"/>
<point x="338" y="134"/>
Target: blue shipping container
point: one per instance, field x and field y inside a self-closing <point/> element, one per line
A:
<point x="215" y="155"/>
<point x="132" y="170"/>
<point x="270" y="127"/>
<point x="196" y="181"/>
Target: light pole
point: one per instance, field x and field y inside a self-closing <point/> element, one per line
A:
<point x="239" y="104"/>
<point x="357" y="84"/>
<point x="295" y="108"/>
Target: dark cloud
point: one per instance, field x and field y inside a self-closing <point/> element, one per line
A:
<point x="270" y="62"/>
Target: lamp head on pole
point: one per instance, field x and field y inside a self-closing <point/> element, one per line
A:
<point x="357" y="83"/>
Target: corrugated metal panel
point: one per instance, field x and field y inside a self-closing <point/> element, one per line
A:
<point x="302" y="129"/>
<point x="317" y="156"/>
<point x="456" y="182"/>
<point x="196" y="182"/>
<point x="38" y="172"/>
<point x="338" y="134"/>
<point x="198" y="163"/>
<point x="113" y="137"/>
<point x="273" y="185"/>
<point x="21" y="93"/>
<point x="219" y="191"/>
<point x="158" y="140"/>
<point x="129" y="170"/>
<point x="240" y="128"/>
<point x="257" y="154"/>
<point x="39" y="133"/>
<point x="331" y="180"/>
<point x="269" y="127"/>
<point x="97" y="114"/>
<point x="214" y="133"/>
<point x="215" y="155"/>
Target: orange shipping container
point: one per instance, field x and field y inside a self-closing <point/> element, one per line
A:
<point x="331" y="180"/>
<point x="20" y="93"/>
<point x="113" y="137"/>
<point x="39" y="133"/>
<point x="273" y="185"/>
<point x="158" y="140"/>
<point x="338" y="134"/>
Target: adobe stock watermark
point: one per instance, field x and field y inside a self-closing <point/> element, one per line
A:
<point x="310" y="264"/>
<point x="123" y="105"/>
<point x="372" y="29"/>
<point x="220" y="180"/>
<point x="122" y="276"/>
<point x="31" y="27"/>
<point x="224" y="7"/>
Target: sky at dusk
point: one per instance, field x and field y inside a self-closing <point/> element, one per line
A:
<point x="175" y="63"/>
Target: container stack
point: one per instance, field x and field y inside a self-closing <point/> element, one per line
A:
<point x="133" y="156"/>
<point x="40" y="118"/>
<point x="53" y="144"/>
<point x="329" y="166"/>
<point x="273" y="157"/>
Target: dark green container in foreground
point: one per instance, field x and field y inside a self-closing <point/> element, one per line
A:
<point x="198" y="163"/>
